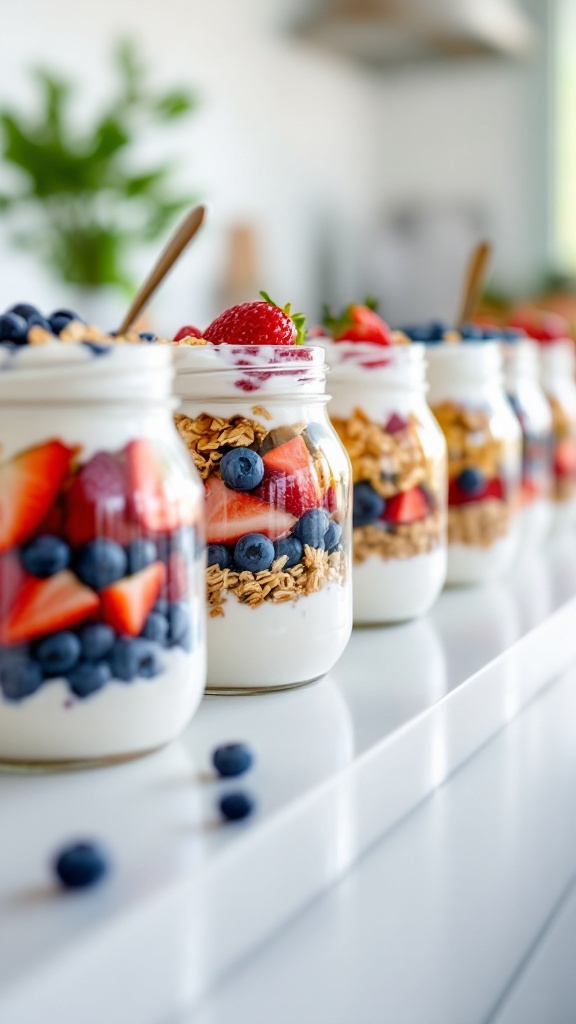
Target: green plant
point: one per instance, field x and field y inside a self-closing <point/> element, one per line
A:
<point x="84" y="198"/>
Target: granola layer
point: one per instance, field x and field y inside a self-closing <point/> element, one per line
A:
<point x="406" y="541"/>
<point x="479" y="524"/>
<point x="276" y="584"/>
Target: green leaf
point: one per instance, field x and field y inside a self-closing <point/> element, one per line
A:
<point x="110" y="136"/>
<point x="131" y="69"/>
<point x="144" y="184"/>
<point x="56" y="93"/>
<point x="174" y="104"/>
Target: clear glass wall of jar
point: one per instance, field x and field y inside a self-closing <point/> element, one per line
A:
<point x="533" y="411"/>
<point x="398" y="457"/>
<point x="557" y="365"/>
<point x="484" y="457"/>
<point x="102" y="618"/>
<point x="277" y="510"/>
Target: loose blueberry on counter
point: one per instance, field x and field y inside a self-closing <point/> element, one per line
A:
<point x="131" y="658"/>
<point x="290" y="546"/>
<point x="232" y="759"/>
<point x="156" y="628"/>
<point x="242" y="469"/>
<point x="96" y="640"/>
<point x="311" y="527"/>
<point x="236" y="806"/>
<point x="20" y="678"/>
<point x="471" y="481"/>
<point x="13" y="328"/>
<point x="254" y="552"/>
<point x="367" y="506"/>
<point x="46" y="555"/>
<point x="59" y="652"/>
<point x="25" y="310"/>
<point x="141" y="553"/>
<point x="89" y="677"/>
<point x="81" y="864"/>
<point x="219" y="555"/>
<point x="100" y="563"/>
<point x="332" y="536"/>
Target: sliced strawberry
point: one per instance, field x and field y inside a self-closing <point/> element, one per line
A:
<point x="96" y="503"/>
<point x="406" y="507"/>
<point x="53" y="522"/>
<point x="45" y="606"/>
<point x="290" y="480"/>
<point x="565" y="457"/>
<point x="12" y="577"/>
<point x="493" y="489"/>
<point x="178" y="582"/>
<point x="231" y="514"/>
<point x="127" y="603"/>
<point x="151" y="503"/>
<point x="29" y="484"/>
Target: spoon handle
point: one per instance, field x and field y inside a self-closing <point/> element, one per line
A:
<point x="475" y="280"/>
<point x="172" y="250"/>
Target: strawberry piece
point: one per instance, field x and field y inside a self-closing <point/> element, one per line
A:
<point x="406" y="507"/>
<point x="53" y="522"/>
<point x="178" y="582"/>
<point x="231" y="514"/>
<point x="96" y="504"/>
<point x="29" y="484"/>
<point x="46" y="606"/>
<point x="257" y="323"/>
<point x="149" y="495"/>
<point x="290" y="480"/>
<point x="188" y="332"/>
<point x="395" y="424"/>
<point x="493" y="489"/>
<point x="12" y="577"/>
<point x="127" y="603"/>
<point x="359" y="323"/>
<point x="565" y="457"/>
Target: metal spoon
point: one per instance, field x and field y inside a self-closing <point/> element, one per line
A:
<point x="174" y="248"/>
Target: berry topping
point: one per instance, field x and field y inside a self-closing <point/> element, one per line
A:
<point x="156" y="628"/>
<point x="178" y="582"/>
<point x="59" y="652"/>
<point x="242" y="469"/>
<point x="231" y="514"/>
<point x="25" y="310"/>
<point x="219" y="555"/>
<point x="149" y="495"/>
<point x="131" y="658"/>
<point x="46" y="555"/>
<point x="236" y="806"/>
<point x="89" y="677"/>
<point x="290" y="479"/>
<point x="312" y="527"/>
<point x="141" y="552"/>
<point x="127" y="603"/>
<point x="232" y="759"/>
<point x="368" y="505"/>
<point x="45" y="606"/>
<point x="457" y="495"/>
<point x="96" y="640"/>
<point x="358" y="323"/>
<point x="96" y="501"/>
<point x="147" y="336"/>
<point x="332" y="536"/>
<point x="81" y="865"/>
<point x="257" y="323"/>
<point x="471" y="332"/>
<point x="290" y="546"/>
<point x="254" y="552"/>
<point x="472" y="481"/>
<point x="12" y="577"/>
<point x="60" y="319"/>
<point x="13" y="328"/>
<point x="565" y="457"/>
<point x="37" y="320"/>
<point x="395" y="424"/>
<point x="187" y="332"/>
<point x="20" y="678"/>
<point x="407" y="507"/>
<point x="29" y="484"/>
<point x="100" y="563"/>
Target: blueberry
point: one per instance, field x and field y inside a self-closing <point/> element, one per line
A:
<point x="13" y="328"/>
<point x="178" y="620"/>
<point x="141" y="553"/>
<point x="219" y="555"/>
<point x="418" y="332"/>
<point x="471" y="481"/>
<point x="312" y="526"/>
<point x="46" y="555"/>
<point x="59" y="652"/>
<point x="81" y="864"/>
<point x="232" y="759"/>
<point x="66" y="314"/>
<point x="437" y="330"/>
<point x="235" y="806"/>
<point x="242" y="469"/>
<point x="317" y="433"/>
<point x="254" y="552"/>
<point x="131" y="658"/>
<point x="97" y="348"/>
<point x="20" y="678"/>
<point x="470" y="332"/>
<point x="37" y="320"/>
<point x="367" y="506"/>
<point x="147" y="336"/>
<point x="332" y="536"/>
<point x="89" y="677"/>
<point x="511" y="335"/>
<point x="25" y="310"/>
<point x="156" y="628"/>
<point x="96" y="640"/>
<point x="290" y="546"/>
<point x="162" y="606"/>
<point x="100" y="563"/>
<point x="491" y="334"/>
<point x="58" y="321"/>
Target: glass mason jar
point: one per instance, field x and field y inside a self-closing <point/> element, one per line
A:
<point x="398" y="457"/>
<point x="533" y="411"/>
<point x="484" y="458"/>
<point x="277" y="512"/>
<point x="557" y="365"/>
<point x="102" y="619"/>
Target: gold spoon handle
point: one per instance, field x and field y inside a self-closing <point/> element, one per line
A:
<point x="475" y="280"/>
<point x="173" y="249"/>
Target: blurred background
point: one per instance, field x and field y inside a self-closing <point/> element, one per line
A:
<point x="347" y="147"/>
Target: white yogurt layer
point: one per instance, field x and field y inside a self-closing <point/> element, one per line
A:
<point x="396" y="589"/>
<point x="278" y="645"/>
<point x="564" y="514"/>
<point x="535" y="521"/>
<point x="120" y="719"/>
<point x="470" y="564"/>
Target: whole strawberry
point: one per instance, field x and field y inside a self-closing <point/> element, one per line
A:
<point x="358" y="323"/>
<point x="257" y="323"/>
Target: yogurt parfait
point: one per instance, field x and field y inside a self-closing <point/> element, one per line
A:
<point x="102" y="636"/>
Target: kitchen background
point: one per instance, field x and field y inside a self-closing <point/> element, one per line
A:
<point x="332" y="172"/>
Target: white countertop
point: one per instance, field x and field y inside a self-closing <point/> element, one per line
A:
<point x="339" y="764"/>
